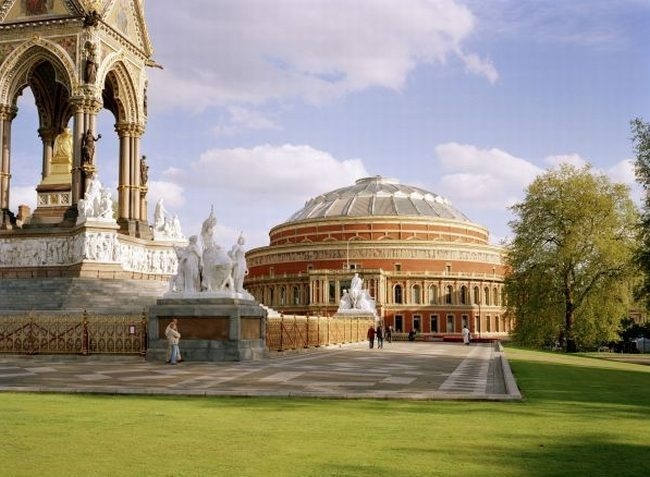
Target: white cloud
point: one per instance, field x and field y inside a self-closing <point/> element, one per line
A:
<point x="623" y="172"/>
<point x="22" y="195"/>
<point x="479" y="66"/>
<point x="171" y="193"/>
<point x="287" y="173"/>
<point x="488" y="178"/>
<point x="254" y="51"/>
<point x="242" y="119"/>
<point x="572" y="159"/>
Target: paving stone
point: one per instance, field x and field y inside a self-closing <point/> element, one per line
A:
<point x="399" y="371"/>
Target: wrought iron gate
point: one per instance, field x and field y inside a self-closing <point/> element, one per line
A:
<point x="84" y="334"/>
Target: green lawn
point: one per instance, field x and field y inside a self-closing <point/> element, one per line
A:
<point x="582" y="417"/>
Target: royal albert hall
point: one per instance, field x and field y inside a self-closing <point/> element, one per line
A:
<point x="428" y="267"/>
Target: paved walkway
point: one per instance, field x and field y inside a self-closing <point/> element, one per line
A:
<point x="398" y="371"/>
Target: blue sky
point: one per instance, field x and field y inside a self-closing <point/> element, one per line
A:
<point x="262" y="105"/>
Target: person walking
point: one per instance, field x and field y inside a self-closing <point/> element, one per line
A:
<point x="466" y="335"/>
<point x="371" y="336"/>
<point x="380" y="336"/>
<point x="168" y="357"/>
<point x="174" y="337"/>
<point x="389" y="334"/>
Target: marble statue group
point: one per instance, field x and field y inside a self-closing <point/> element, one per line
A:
<point x="97" y="203"/>
<point x="164" y="227"/>
<point x="357" y="299"/>
<point x="207" y="267"/>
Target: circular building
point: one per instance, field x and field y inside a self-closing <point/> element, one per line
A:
<point x="428" y="267"/>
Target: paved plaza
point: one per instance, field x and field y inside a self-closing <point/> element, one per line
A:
<point x="401" y="370"/>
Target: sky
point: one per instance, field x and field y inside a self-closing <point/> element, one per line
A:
<point x="262" y="104"/>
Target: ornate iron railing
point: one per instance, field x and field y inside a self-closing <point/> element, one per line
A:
<point x="73" y="334"/>
<point x="86" y="334"/>
<point x="296" y="332"/>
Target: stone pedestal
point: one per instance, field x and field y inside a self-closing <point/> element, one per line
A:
<point x="364" y="314"/>
<point x="212" y="329"/>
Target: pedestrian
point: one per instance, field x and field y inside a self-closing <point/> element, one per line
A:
<point x="371" y="336"/>
<point x="168" y="357"/>
<point x="389" y="334"/>
<point x="411" y="335"/>
<point x="380" y="337"/>
<point x="174" y="337"/>
<point x="466" y="335"/>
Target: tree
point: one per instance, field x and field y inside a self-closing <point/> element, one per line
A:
<point x="570" y="262"/>
<point x="641" y="138"/>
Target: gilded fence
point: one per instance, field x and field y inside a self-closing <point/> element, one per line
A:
<point x="73" y="334"/>
<point x="297" y="332"/>
<point x="86" y="334"/>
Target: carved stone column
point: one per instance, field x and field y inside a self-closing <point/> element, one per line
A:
<point x="85" y="114"/>
<point x="130" y="214"/>
<point x="47" y="136"/>
<point x="7" y="114"/>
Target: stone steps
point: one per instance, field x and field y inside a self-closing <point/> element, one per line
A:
<point x="77" y="294"/>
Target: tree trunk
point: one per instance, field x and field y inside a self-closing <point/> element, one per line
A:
<point x="571" y="346"/>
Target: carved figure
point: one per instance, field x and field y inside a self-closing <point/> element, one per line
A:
<point x="90" y="71"/>
<point x="92" y="19"/>
<point x="96" y="203"/>
<point x="240" y="269"/>
<point x="355" y="289"/>
<point x="165" y="227"/>
<point x="188" y="276"/>
<point x="88" y="147"/>
<point x="159" y="215"/>
<point x="346" y="301"/>
<point x="37" y="7"/>
<point x="105" y="210"/>
<point x="217" y="265"/>
<point x="358" y="299"/>
<point x="144" y="99"/>
<point x="63" y="148"/>
<point x="144" y="171"/>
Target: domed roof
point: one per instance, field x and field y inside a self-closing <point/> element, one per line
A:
<point x="378" y="196"/>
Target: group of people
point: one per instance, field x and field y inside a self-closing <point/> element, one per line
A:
<point x="173" y="336"/>
<point x="380" y="333"/>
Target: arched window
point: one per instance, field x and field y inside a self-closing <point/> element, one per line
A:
<point x="271" y="297"/>
<point x="296" y="296"/>
<point x="433" y="294"/>
<point x="397" y="294"/>
<point x="463" y="295"/>
<point x="416" y="295"/>
<point x="477" y="296"/>
<point x="316" y="298"/>
<point x="283" y="296"/>
<point x="449" y="294"/>
<point x="486" y="292"/>
<point x="495" y="297"/>
<point x="372" y="288"/>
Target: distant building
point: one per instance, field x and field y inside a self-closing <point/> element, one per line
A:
<point x="428" y="267"/>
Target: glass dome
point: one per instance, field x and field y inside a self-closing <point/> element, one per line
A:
<point x="378" y="196"/>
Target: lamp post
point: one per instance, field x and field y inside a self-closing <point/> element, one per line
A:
<point x="479" y="317"/>
<point x="347" y="255"/>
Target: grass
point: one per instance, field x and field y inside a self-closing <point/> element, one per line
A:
<point x="582" y="417"/>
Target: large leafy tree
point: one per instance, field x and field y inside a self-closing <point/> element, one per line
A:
<point x="641" y="136"/>
<point x="571" y="259"/>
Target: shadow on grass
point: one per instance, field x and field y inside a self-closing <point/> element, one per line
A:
<point x="593" y="456"/>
